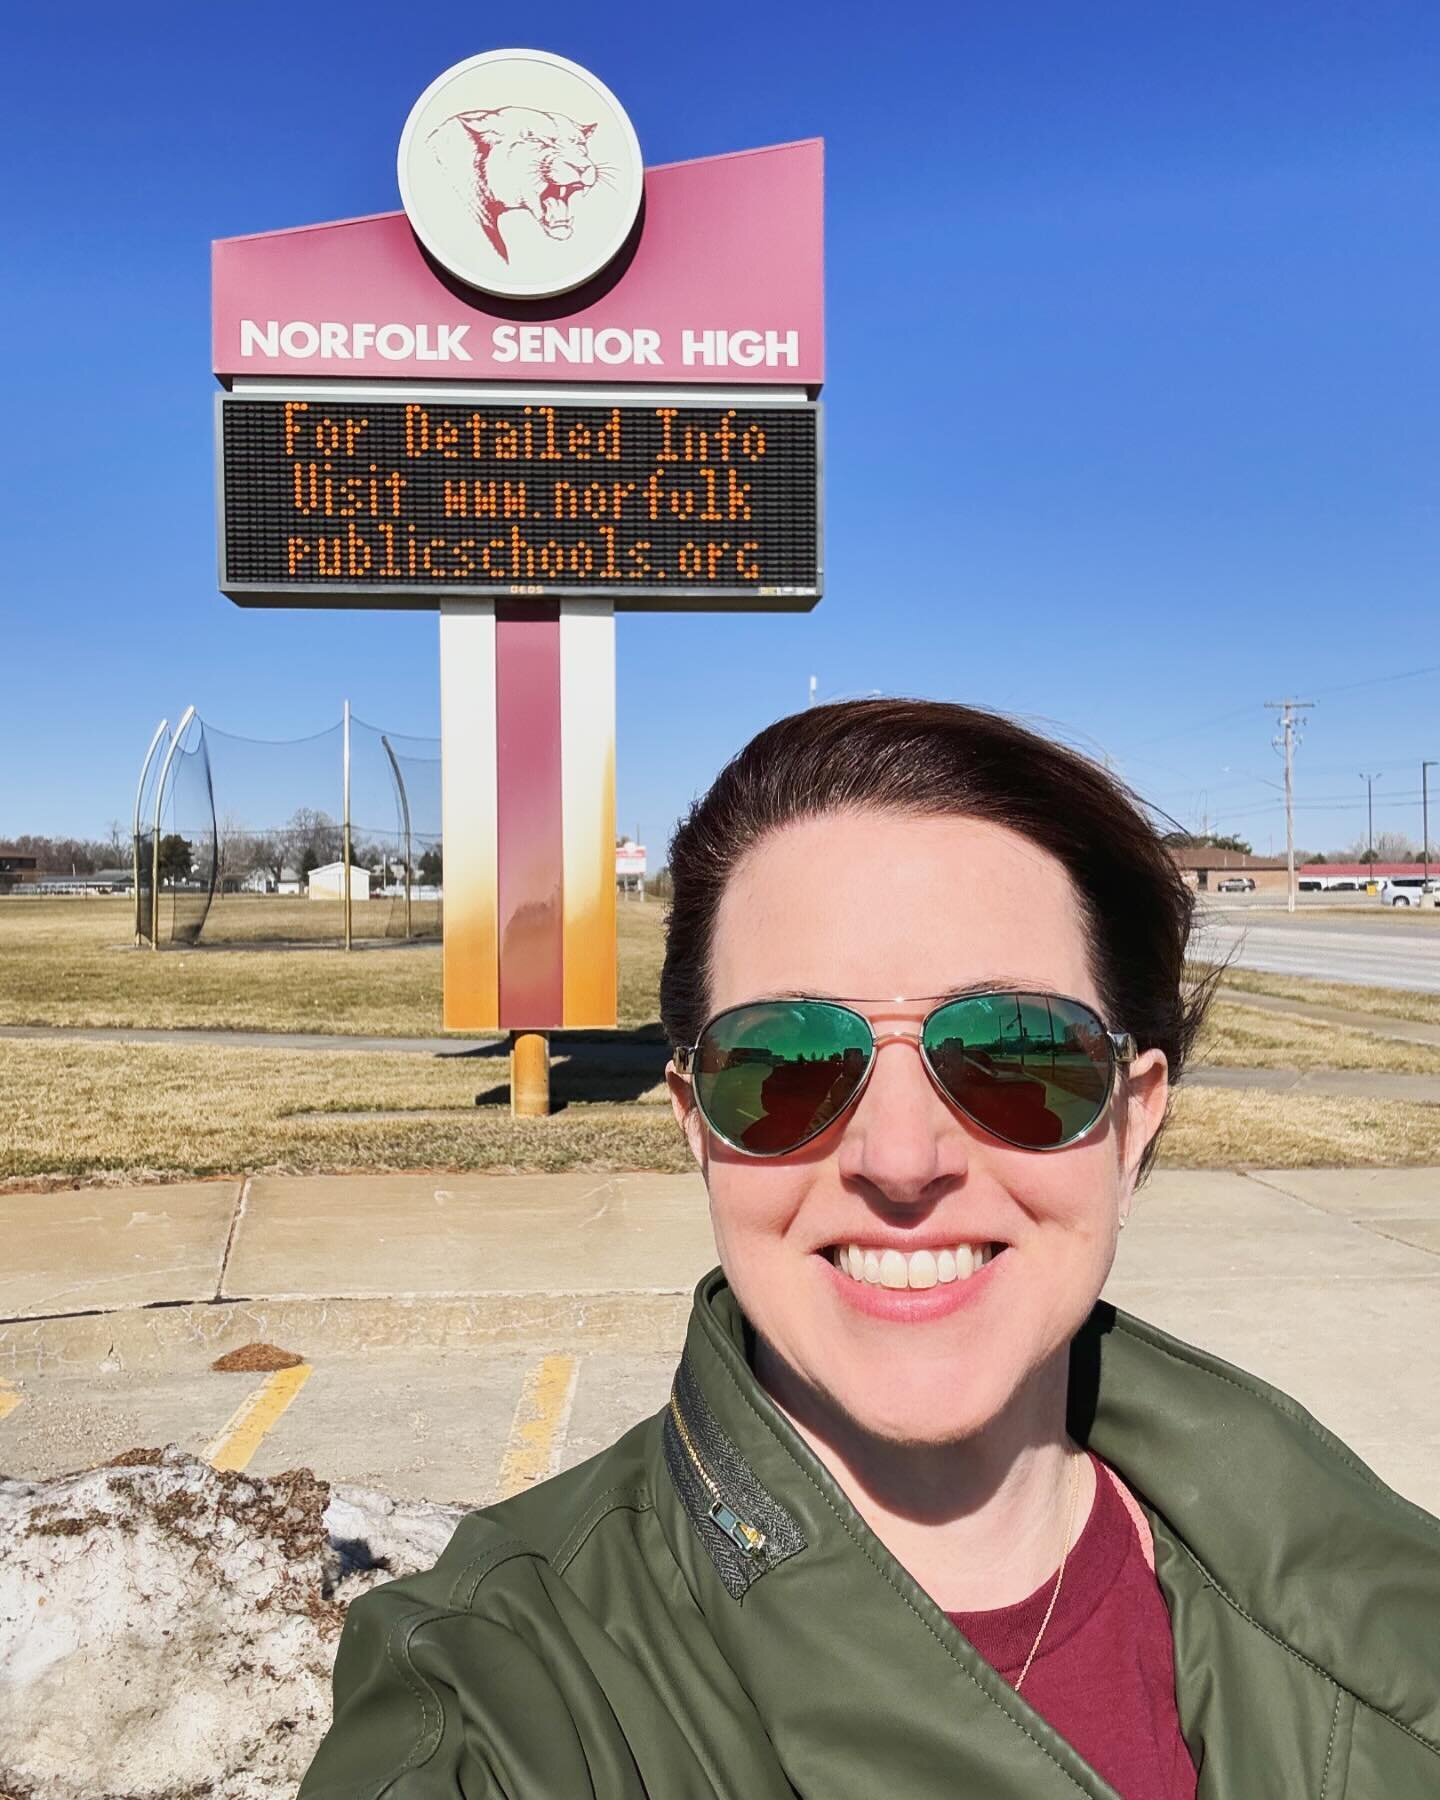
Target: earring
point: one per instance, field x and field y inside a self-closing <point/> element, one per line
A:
<point x="1124" y="1217"/>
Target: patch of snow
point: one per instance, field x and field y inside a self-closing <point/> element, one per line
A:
<point x="167" y="1628"/>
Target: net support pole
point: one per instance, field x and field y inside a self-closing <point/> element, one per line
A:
<point x="405" y="819"/>
<point x="529" y="1075"/>
<point x="345" y="847"/>
<point x="160" y="731"/>
<point x="180" y="730"/>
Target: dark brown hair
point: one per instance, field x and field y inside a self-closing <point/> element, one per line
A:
<point x="927" y="758"/>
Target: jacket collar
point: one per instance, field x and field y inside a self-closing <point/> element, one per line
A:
<point x="1249" y="1497"/>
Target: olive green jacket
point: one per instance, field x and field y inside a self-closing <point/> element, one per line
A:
<point x="699" y="1612"/>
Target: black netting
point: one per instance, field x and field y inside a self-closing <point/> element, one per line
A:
<point x="252" y="839"/>
<point x="175" y="845"/>
<point x="144" y="849"/>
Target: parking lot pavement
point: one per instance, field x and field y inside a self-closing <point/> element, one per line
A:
<point x="513" y="1352"/>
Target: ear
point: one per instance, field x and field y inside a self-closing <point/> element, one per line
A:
<point x="1144" y="1095"/>
<point x="687" y="1114"/>
<point x="482" y="126"/>
<point x="585" y="130"/>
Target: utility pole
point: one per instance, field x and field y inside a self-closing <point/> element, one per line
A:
<point x="1286" y="744"/>
<point x="1370" y="781"/>
<point x="1425" y="769"/>
<point x="345" y="833"/>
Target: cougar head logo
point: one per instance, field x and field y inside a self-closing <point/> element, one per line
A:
<point x="515" y="159"/>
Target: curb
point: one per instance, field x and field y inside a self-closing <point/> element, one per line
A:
<point x="175" y="1334"/>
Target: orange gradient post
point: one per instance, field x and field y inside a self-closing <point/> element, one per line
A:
<point x="469" y="846"/>
<point x="587" y="742"/>
<point x="528" y="722"/>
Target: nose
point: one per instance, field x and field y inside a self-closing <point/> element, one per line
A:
<point x="902" y="1141"/>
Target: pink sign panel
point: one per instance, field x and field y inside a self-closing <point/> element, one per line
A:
<point x="723" y="284"/>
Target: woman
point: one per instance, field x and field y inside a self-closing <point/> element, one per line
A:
<point x="922" y="1516"/>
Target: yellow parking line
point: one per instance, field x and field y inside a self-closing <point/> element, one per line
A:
<point x="10" y="1398"/>
<point x="240" y="1439"/>
<point x="540" y="1419"/>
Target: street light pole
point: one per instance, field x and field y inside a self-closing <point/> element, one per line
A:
<point x="1425" y="769"/>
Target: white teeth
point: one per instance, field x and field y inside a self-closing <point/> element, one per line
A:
<point x="921" y="1269"/>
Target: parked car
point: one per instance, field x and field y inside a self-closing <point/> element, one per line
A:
<point x="1406" y="890"/>
<point x="1237" y="884"/>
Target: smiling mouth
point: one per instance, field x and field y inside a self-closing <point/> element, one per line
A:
<point x="917" y="1269"/>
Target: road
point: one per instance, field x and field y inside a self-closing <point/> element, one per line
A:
<point x="1373" y="950"/>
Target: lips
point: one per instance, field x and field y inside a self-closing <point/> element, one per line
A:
<point x="914" y="1285"/>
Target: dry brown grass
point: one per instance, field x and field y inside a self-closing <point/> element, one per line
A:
<point x="1389" y="1003"/>
<point x="83" y="1111"/>
<point x="1216" y="1128"/>
<point x="1241" y="1037"/>
<point x="70" y="962"/>
<point x="141" y="1112"/>
<point x="162" y="1111"/>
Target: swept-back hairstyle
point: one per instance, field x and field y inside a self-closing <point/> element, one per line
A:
<point x="929" y="758"/>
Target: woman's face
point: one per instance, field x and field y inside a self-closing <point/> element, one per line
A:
<point x="864" y="905"/>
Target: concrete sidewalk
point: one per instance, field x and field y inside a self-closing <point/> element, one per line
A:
<point x="1336" y="1084"/>
<point x="423" y="1306"/>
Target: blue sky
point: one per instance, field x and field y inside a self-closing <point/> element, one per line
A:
<point x="1142" y="298"/>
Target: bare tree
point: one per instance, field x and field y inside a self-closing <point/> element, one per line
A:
<point x="311" y="840"/>
<point x="1395" y="847"/>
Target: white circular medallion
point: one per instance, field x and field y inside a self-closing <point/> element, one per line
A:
<point x="520" y="173"/>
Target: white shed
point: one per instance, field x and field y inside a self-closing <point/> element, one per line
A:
<point x="328" y="882"/>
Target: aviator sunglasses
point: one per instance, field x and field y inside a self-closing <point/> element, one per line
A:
<point x="1034" y="1070"/>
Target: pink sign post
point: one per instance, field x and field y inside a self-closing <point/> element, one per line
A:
<point x="556" y="387"/>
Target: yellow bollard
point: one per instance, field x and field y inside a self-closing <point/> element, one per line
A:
<point x="529" y="1075"/>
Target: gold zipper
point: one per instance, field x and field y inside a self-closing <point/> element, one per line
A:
<point x="747" y="1538"/>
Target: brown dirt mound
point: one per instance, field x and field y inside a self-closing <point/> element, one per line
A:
<point x="256" y="1359"/>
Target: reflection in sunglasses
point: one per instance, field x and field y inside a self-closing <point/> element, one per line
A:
<point x="1034" y="1069"/>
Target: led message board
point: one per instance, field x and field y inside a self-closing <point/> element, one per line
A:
<point x="657" y="504"/>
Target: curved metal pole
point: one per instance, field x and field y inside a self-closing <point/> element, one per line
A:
<point x="180" y="731"/>
<point x="405" y="816"/>
<point x="160" y="731"/>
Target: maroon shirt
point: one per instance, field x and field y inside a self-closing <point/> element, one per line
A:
<point x="1105" y="1673"/>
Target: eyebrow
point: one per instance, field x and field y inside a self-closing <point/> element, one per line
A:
<point x="993" y="984"/>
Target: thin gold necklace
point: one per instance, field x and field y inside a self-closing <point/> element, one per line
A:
<point x="1060" y="1576"/>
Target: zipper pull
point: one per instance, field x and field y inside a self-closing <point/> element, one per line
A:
<point x="746" y="1538"/>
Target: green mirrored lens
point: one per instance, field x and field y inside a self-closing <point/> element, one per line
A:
<point x="1033" y="1069"/>
<point x="771" y="1075"/>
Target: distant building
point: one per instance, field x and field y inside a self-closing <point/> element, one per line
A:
<point x="1205" y="868"/>
<point x="630" y="867"/>
<point x="328" y="882"/>
<point x="16" y="871"/>
<point x="264" y="881"/>
<point x="103" y="881"/>
<point x="1343" y="876"/>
